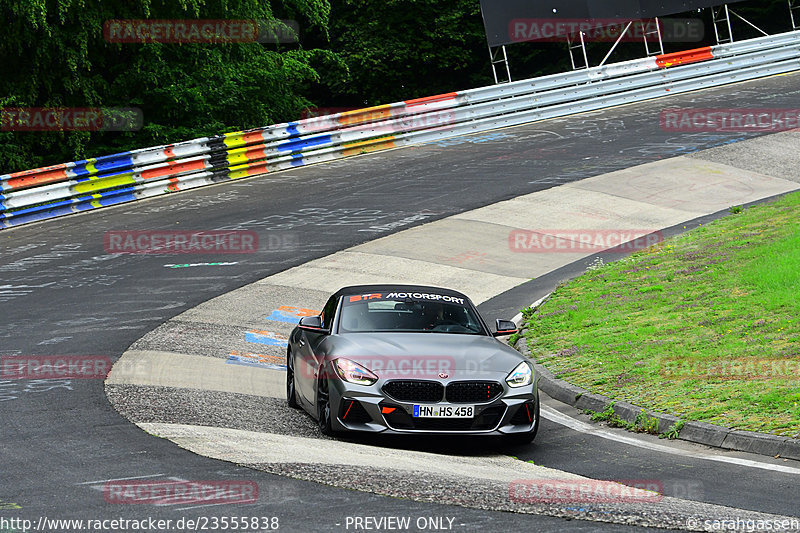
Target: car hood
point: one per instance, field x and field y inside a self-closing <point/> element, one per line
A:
<point x="425" y="355"/>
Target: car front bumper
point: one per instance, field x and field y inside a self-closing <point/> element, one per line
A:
<point x="369" y="409"/>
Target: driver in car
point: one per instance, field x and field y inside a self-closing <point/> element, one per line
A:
<point x="434" y="314"/>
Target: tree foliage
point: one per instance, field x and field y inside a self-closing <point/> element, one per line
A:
<point x="351" y="53"/>
<point x="401" y="49"/>
<point x="54" y="55"/>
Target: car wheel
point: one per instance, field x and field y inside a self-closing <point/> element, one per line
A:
<point x="291" y="394"/>
<point x="324" y="407"/>
<point x="528" y="436"/>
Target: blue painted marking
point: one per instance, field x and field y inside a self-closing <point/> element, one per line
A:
<point x="38" y="208"/>
<point x="235" y="360"/>
<point x="114" y="162"/>
<point x="246" y="361"/>
<point x="80" y="168"/>
<point x="297" y="146"/>
<point x="270" y="339"/>
<point x="281" y="316"/>
<point x="292" y="129"/>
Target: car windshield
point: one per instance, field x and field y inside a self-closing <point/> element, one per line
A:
<point x="408" y="315"/>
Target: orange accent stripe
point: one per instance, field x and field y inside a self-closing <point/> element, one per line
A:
<point x="258" y="169"/>
<point x="685" y="57"/>
<point x="348" y="409"/>
<point x="368" y="146"/>
<point x="42" y="179"/>
<point x="34" y="171"/>
<point x="172" y="168"/>
<point x="387" y="410"/>
<point x="255" y="153"/>
<point x="252" y="137"/>
<point x="437" y="98"/>
<point x="368" y="114"/>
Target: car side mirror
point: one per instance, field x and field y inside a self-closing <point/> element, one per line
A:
<point x="312" y="323"/>
<point x="505" y="327"/>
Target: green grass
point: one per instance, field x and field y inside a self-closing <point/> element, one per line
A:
<point x="704" y="326"/>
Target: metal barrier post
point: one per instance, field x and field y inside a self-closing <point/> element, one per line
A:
<point x="721" y="16"/>
<point x="649" y="32"/>
<point x="573" y="47"/>
<point x="495" y="60"/>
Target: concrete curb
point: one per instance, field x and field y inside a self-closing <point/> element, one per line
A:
<point x="692" y="431"/>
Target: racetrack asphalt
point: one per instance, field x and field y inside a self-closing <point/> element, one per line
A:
<point x="62" y="294"/>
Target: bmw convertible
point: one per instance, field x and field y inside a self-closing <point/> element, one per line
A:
<point x="402" y="359"/>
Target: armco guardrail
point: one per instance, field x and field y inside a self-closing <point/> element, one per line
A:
<point x="93" y="183"/>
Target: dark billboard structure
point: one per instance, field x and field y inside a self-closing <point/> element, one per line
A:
<point x="503" y="18"/>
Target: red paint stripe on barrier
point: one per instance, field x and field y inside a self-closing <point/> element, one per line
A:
<point x="368" y="114"/>
<point x="23" y="173"/>
<point x="173" y="185"/>
<point x="35" y="180"/>
<point x="253" y="137"/>
<point x="256" y="153"/>
<point x="173" y="168"/>
<point x="429" y="99"/>
<point x="685" y="57"/>
<point x="258" y="169"/>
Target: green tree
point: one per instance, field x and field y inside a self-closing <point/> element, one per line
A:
<point x="54" y="54"/>
<point x="402" y="49"/>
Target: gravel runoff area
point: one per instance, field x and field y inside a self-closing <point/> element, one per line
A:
<point x="153" y="406"/>
<point x="669" y="513"/>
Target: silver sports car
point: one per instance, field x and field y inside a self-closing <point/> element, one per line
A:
<point x="400" y="359"/>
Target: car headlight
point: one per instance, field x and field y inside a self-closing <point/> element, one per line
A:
<point x="519" y="377"/>
<point x="353" y="372"/>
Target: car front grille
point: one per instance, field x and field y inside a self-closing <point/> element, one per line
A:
<point x="473" y="391"/>
<point x="414" y="390"/>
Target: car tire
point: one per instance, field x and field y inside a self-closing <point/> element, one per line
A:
<point x="324" y="407"/>
<point x="528" y="436"/>
<point x="291" y="392"/>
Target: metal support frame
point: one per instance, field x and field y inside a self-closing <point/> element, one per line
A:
<point x="737" y="15"/>
<point x="614" y="47"/>
<point x="494" y="57"/>
<point x="648" y="32"/>
<point x="794" y="6"/>
<point x="575" y="46"/>
<point x="722" y="17"/>
<point x="722" y="24"/>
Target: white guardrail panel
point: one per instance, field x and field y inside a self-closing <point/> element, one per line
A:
<point x="93" y="183"/>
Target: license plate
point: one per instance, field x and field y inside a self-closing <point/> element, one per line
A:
<point x="444" y="411"/>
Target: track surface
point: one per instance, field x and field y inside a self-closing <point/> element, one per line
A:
<point x="62" y="294"/>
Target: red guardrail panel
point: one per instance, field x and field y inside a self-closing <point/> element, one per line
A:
<point x="684" y="58"/>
